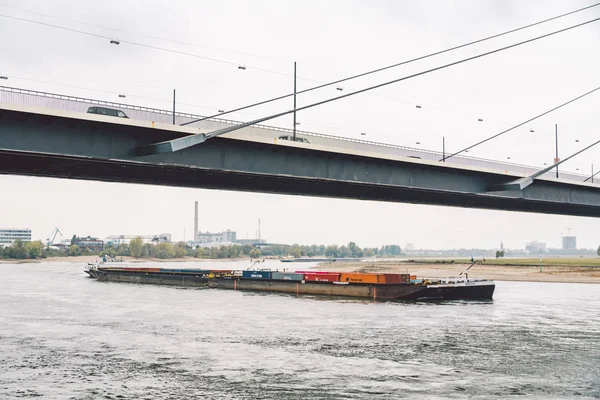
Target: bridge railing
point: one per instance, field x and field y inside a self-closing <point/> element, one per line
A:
<point x="80" y="104"/>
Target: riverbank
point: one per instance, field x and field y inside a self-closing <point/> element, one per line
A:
<point x="566" y="272"/>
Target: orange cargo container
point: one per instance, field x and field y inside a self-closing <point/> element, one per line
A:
<point x="359" y="278"/>
<point x="413" y="277"/>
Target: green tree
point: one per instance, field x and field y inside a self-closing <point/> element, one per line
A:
<point x="148" y="250"/>
<point x="123" y="250"/>
<point x="109" y="251"/>
<point x="17" y="250"/>
<point x="179" y="249"/>
<point x="295" y="250"/>
<point x="199" y="252"/>
<point x="73" y="239"/>
<point x="246" y="249"/>
<point x="74" y="250"/>
<point x="164" y="250"/>
<point x="332" y="251"/>
<point x="255" y="253"/>
<point x="598" y="251"/>
<point x="345" y="252"/>
<point x="34" y="249"/>
<point x="135" y="247"/>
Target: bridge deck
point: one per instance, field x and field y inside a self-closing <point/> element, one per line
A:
<point x="56" y="143"/>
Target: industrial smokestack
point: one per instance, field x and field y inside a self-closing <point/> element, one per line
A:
<point x="195" y="221"/>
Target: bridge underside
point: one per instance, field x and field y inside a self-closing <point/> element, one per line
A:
<point x="52" y="146"/>
<point x="31" y="164"/>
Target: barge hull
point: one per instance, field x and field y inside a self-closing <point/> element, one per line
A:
<point x="372" y="291"/>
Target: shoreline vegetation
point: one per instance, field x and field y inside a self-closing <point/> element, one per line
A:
<point x="138" y="249"/>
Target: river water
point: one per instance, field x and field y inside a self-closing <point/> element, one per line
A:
<point x="65" y="336"/>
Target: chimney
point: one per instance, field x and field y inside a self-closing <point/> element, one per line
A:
<point x="195" y="221"/>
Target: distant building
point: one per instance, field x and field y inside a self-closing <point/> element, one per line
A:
<point x="569" y="242"/>
<point x="501" y="245"/>
<point x="209" y="237"/>
<point x="8" y="236"/>
<point x="227" y="236"/>
<point x="409" y="247"/>
<point x="535" y="246"/>
<point x="91" y="243"/>
<point x="251" y="242"/>
<point x="115" y="240"/>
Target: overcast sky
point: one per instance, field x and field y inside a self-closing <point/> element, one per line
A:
<point x="329" y="39"/>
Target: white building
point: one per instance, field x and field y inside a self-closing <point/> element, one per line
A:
<point x="227" y="236"/>
<point x="535" y="246"/>
<point x="8" y="236"/>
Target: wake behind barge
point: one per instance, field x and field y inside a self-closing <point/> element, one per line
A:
<point x="373" y="286"/>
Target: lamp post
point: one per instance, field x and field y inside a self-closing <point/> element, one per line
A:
<point x="173" y="106"/>
<point x="443" y="149"/>
<point x="556" y="140"/>
<point x="294" y="138"/>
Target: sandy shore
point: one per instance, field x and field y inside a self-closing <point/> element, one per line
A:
<point x="573" y="274"/>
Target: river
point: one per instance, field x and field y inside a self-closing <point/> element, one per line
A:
<point x="65" y="336"/>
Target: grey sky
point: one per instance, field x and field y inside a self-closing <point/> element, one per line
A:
<point x="329" y="40"/>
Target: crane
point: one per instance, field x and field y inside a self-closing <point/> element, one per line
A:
<point x="50" y="240"/>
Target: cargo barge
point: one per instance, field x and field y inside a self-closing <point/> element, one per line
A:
<point x="373" y="286"/>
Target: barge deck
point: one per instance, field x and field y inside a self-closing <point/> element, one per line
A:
<point x="373" y="286"/>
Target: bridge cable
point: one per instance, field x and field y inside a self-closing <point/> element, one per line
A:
<point x="279" y="73"/>
<point x="185" y="53"/>
<point x="256" y="121"/>
<point x="144" y="35"/>
<point x="395" y="65"/>
<point x="521" y="124"/>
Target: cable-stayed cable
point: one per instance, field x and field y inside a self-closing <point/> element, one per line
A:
<point x="402" y="62"/>
<point x="144" y="35"/>
<point x="522" y="123"/>
<point x="257" y="121"/>
<point x="148" y="46"/>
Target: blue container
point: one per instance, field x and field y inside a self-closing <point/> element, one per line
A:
<point x="256" y="274"/>
<point x="287" y="276"/>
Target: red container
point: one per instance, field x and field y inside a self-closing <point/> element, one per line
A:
<point x="327" y="277"/>
<point x="391" y="278"/>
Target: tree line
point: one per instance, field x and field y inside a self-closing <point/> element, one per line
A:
<point x="23" y="250"/>
<point x="165" y="250"/>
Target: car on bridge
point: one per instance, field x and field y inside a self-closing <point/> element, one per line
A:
<point x="290" y="137"/>
<point x="111" y="112"/>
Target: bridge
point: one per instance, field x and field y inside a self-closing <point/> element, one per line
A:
<point x="50" y="135"/>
